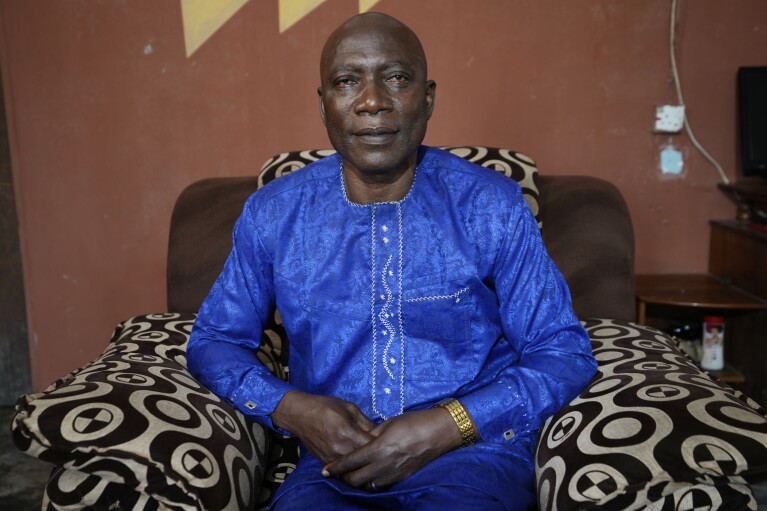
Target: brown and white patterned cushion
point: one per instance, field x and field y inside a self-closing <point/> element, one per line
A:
<point x="134" y="423"/>
<point x="651" y="431"/>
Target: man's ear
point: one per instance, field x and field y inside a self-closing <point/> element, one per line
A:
<point x="322" y="105"/>
<point x="431" y="95"/>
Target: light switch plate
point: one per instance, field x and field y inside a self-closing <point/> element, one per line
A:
<point x="669" y="118"/>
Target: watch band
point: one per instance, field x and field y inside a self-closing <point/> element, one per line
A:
<point x="462" y="420"/>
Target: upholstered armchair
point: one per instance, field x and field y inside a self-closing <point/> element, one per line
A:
<point x="134" y="430"/>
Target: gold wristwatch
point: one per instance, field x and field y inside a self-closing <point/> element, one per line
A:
<point x="462" y="420"/>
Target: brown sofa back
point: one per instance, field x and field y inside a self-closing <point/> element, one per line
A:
<point x="587" y="231"/>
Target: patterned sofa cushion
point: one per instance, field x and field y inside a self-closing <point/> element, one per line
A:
<point x="515" y="165"/>
<point x="69" y="489"/>
<point x="651" y="431"/>
<point x="135" y="419"/>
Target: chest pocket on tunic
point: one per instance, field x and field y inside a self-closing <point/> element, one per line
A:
<point x="437" y="325"/>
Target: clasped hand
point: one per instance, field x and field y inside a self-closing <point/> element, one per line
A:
<point x="356" y="450"/>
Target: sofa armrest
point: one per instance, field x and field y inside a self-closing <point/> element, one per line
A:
<point x="587" y="231"/>
<point x="650" y="431"/>
<point x="138" y="422"/>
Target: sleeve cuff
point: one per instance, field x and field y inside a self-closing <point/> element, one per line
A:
<point x="257" y="399"/>
<point x="492" y="426"/>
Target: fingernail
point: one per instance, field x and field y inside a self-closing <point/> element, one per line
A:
<point x="325" y="473"/>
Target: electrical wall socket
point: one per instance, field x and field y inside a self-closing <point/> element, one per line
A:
<point x="669" y="119"/>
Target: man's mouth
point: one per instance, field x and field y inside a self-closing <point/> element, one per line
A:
<point x="376" y="135"/>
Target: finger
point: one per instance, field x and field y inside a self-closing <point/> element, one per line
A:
<point x="360" y="418"/>
<point x="362" y="478"/>
<point x="350" y="462"/>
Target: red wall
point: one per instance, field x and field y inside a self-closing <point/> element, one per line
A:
<point x="109" y="121"/>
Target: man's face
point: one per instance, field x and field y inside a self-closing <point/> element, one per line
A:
<point x="375" y="99"/>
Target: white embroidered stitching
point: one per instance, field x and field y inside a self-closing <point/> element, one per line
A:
<point x="384" y="317"/>
<point x="399" y="314"/>
<point x="348" y="201"/>
<point x="438" y="297"/>
<point x="372" y="301"/>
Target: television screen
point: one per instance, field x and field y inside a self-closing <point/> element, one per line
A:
<point x="752" y="106"/>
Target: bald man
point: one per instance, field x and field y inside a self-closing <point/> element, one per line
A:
<point x="430" y="333"/>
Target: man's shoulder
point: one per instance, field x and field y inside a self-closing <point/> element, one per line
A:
<point x="318" y="170"/>
<point x="300" y="180"/>
<point x="451" y="168"/>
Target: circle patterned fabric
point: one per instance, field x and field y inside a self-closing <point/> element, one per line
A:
<point x="650" y="431"/>
<point x="134" y="423"/>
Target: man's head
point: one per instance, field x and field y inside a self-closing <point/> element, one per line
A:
<point x="375" y="100"/>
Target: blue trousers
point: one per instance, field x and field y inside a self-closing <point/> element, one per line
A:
<point x="478" y="478"/>
<point x="323" y="497"/>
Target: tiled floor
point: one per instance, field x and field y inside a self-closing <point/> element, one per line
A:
<point x="760" y="492"/>
<point x="22" y="477"/>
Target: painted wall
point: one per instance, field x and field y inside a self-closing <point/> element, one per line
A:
<point x="109" y="120"/>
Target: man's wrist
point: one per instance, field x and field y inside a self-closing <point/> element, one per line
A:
<point x="283" y="411"/>
<point x="462" y="420"/>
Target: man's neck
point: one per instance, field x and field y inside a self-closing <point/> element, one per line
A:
<point x="362" y="188"/>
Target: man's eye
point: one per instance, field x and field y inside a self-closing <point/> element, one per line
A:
<point x="345" y="82"/>
<point x="397" y="78"/>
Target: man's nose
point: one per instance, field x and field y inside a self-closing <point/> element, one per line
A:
<point x="374" y="98"/>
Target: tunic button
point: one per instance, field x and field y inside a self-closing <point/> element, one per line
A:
<point x="385" y="228"/>
<point x="392" y="360"/>
<point x="387" y="390"/>
<point x="386" y="240"/>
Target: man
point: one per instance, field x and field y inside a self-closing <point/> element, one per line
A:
<point x="406" y="278"/>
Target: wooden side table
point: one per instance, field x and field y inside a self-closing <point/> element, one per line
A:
<point x="679" y="295"/>
<point x="691" y="290"/>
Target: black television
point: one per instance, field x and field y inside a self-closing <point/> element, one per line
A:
<point x="752" y="114"/>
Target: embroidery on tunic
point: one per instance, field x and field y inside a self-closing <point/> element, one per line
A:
<point x="389" y="330"/>
<point x="399" y="312"/>
<point x="372" y="301"/>
<point x="383" y="316"/>
<point x="456" y="296"/>
<point x="385" y="313"/>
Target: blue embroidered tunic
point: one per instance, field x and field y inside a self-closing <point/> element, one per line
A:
<point x="396" y="306"/>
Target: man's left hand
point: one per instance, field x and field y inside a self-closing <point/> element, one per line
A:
<point x="403" y="445"/>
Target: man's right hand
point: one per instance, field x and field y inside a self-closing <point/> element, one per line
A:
<point x="328" y="426"/>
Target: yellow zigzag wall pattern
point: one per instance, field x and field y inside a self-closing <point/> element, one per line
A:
<point x="203" y="18"/>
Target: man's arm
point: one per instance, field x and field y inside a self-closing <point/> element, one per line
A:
<point x="555" y="360"/>
<point x="227" y="334"/>
<point x="222" y="354"/>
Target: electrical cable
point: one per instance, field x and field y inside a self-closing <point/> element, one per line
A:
<point x="677" y="84"/>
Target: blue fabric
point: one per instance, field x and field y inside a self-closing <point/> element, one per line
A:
<point x="486" y="476"/>
<point x="447" y="483"/>
<point x="396" y="306"/>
